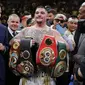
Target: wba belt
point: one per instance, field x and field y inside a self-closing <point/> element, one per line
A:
<point x="20" y="61"/>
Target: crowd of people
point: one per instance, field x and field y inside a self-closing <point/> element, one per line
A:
<point x="51" y="46"/>
<point x="8" y="7"/>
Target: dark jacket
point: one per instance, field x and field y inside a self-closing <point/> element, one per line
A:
<point x="80" y="56"/>
<point x="11" y="78"/>
<point x="4" y="41"/>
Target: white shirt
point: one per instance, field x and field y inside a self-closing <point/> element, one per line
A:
<point x="10" y="31"/>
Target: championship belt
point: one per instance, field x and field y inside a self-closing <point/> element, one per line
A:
<point x="47" y="52"/>
<point x="61" y="61"/>
<point x="20" y="60"/>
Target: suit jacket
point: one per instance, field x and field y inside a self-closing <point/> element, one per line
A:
<point x="9" y="36"/>
<point x="10" y="76"/>
<point x="7" y="53"/>
<point x="4" y="41"/>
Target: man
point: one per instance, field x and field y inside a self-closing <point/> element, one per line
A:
<point x="3" y="49"/>
<point x="37" y="32"/>
<point x="13" y="24"/>
<point x="60" y="19"/>
<point x="71" y="26"/>
<point x="24" y="20"/>
<point x="50" y="17"/>
<point x="79" y="57"/>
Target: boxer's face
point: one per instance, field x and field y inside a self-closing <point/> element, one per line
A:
<point x="40" y="15"/>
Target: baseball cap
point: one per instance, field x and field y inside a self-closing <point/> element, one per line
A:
<point x="60" y="17"/>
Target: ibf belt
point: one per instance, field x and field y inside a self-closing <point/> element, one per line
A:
<point x="20" y="60"/>
<point x="61" y="62"/>
<point x="47" y="52"/>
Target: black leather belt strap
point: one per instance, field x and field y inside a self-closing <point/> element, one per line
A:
<point x="25" y="44"/>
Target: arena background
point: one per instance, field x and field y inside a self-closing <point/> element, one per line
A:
<point x="21" y="7"/>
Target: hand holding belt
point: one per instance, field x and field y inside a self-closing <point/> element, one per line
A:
<point x="21" y="58"/>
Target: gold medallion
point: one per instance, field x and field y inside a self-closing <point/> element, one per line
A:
<point x="46" y="56"/>
<point x="62" y="54"/>
<point x="16" y="45"/>
<point x="60" y="68"/>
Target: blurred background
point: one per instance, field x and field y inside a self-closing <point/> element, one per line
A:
<point x="21" y="7"/>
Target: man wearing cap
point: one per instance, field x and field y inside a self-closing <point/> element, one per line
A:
<point x="60" y="18"/>
<point x="68" y="35"/>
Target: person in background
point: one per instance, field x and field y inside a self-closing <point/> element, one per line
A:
<point x="60" y="18"/>
<point x="79" y="57"/>
<point x="30" y="22"/>
<point x="37" y="32"/>
<point x="13" y="24"/>
<point x="50" y="16"/>
<point x="3" y="48"/>
<point x="72" y="24"/>
<point x="23" y="22"/>
<point x="59" y="25"/>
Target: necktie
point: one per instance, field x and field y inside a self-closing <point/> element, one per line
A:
<point x="14" y="33"/>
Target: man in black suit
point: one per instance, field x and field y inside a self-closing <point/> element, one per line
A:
<point x="79" y="57"/>
<point x="13" y="23"/>
<point x="3" y="49"/>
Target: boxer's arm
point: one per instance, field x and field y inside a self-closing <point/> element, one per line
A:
<point x="61" y="39"/>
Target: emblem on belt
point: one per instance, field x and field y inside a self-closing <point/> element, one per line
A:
<point x="16" y="45"/>
<point x="26" y="68"/>
<point x="62" y="54"/>
<point x="60" y="68"/>
<point x="47" y="56"/>
<point x="13" y="59"/>
<point x="47" y="52"/>
<point x="25" y="54"/>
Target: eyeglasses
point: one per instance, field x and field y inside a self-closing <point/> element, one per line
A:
<point x="61" y="21"/>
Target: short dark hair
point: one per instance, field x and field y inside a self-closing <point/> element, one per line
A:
<point x="53" y="11"/>
<point x="41" y="7"/>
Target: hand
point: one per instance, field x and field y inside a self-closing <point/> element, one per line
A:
<point x="79" y="72"/>
<point x="14" y="40"/>
<point x="2" y="47"/>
